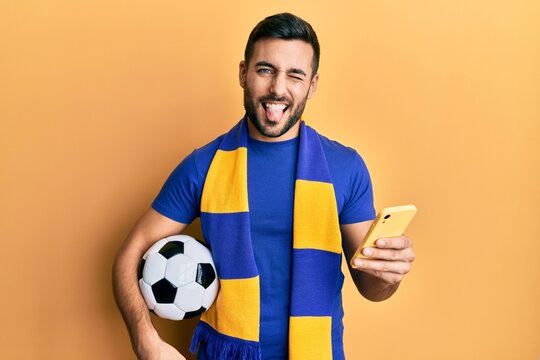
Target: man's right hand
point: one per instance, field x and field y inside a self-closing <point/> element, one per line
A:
<point x="159" y="350"/>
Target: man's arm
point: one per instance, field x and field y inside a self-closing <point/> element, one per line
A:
<point x="378" y="276"/>
<point x="146" y="343"/>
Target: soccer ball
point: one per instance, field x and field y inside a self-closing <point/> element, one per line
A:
<point x="177" y="278"/>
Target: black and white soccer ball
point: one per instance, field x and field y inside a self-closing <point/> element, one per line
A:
<point x="177" y="278"/>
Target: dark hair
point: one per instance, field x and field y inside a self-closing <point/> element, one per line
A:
<point x="288" y="27"/>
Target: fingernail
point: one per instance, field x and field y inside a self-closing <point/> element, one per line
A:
<point x="367" y="252"/>
<point x="381" y="243"/>
<point x="358" y="263"/>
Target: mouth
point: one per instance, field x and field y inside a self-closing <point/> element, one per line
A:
<point x="274" y="110"/>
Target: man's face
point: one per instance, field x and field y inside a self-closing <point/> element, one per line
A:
<point x="277" y="83"/>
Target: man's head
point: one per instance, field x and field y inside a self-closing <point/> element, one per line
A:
<point x="278" y="75"/>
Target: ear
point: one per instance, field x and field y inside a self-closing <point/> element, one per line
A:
<point x="313" y="85"/>
<point x="242" y="73"/>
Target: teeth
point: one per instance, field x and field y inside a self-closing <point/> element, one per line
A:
<point x="275" y="106"/>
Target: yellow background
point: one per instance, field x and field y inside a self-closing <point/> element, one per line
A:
<point x="99" y="100"/>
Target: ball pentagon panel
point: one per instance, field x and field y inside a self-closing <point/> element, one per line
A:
<point x="164" y="291"/>
<point x="205" y="275"/>
<point x="171" y="248"/>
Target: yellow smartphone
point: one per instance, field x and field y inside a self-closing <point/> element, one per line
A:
<point x="390" y="222"/>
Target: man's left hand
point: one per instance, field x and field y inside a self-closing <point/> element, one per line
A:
<point x="389" y="260"/>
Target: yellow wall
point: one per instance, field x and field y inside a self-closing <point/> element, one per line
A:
<point x="99" y="100"/>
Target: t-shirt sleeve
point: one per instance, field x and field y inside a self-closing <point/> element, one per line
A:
<point x="358" y="205"/>
<point x="178" y="199"/>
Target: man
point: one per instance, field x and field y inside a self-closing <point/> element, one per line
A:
<point x="286" y="209"/>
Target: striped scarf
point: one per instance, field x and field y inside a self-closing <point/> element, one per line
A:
<point x="230" y="328"/>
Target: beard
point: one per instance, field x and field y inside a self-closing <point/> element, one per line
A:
<point x="266" y="127"/>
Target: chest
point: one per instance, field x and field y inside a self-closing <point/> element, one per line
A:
<point x="271" y="178"/>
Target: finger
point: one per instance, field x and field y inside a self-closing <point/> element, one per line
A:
<point x="388" y="277"/>
<point x="398" y="242"/>
<point x="406" y="255"/>
<point x="396" y="267"/>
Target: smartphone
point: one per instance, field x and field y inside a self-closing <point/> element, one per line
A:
<point x="390" y="222"/>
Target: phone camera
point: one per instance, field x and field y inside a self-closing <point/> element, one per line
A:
<point x="387" y="216"/>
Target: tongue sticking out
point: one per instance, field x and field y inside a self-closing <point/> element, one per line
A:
<point x="274" y="114"/>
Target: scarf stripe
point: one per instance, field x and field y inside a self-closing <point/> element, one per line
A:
<point x="316" y="253"/>
<point x="230" y="328"/>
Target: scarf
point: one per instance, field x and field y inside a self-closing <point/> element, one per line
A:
<point x="230" y="328"/>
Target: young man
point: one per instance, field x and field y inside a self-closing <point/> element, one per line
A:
<point x="277" y="203"/>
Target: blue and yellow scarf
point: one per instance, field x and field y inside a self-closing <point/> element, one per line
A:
<point x="230" y="328"/>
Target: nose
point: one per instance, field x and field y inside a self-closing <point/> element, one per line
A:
<point x="278" y="84"/>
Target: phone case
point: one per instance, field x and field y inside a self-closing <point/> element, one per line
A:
<point x="390" y="222"/>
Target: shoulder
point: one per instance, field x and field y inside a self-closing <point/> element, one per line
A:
<point x="202" y="156"/>
<point x="209" y="149"/>
<point x="193" y="168"/>
<point x="340" y="155"/>
<point x="351" y="180"/>
<point x="347" y="168"/>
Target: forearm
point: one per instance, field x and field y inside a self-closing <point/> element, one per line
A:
<point x="151" y="227"/>
<point x="130" y="301"/>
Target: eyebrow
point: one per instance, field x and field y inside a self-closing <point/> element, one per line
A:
<point x="293" y="70"/>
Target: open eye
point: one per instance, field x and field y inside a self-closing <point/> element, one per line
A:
<point x="265" y="71"/>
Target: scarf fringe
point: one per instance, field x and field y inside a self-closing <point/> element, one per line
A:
<point x="221" y="347"/>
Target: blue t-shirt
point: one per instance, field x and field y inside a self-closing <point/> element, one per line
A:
<point x="271" y="177"/>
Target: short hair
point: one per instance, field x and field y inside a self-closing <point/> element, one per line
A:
<point x="284" y="26"/>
